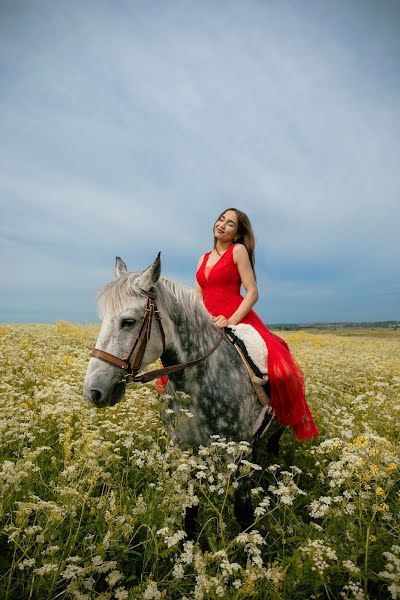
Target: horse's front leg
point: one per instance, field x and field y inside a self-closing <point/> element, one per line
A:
<point x="191" y="513"/>
<point x="244" y="512"/>
<point x="273" y="442"/>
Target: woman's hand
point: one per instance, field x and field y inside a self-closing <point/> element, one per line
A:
<point x="221" y="321"/>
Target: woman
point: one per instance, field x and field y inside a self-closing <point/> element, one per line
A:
<point x="220" y="274"/>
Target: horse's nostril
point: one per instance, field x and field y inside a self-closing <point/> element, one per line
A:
<point x="96" y="396"/>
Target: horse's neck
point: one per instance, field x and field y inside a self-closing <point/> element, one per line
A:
<point x="191" y="332"/>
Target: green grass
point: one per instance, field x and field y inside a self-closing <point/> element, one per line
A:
<point x="92" y="501"/>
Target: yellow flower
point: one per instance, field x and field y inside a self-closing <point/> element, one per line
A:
<point x="360" y="441"/>
<point x="68" y="359"/>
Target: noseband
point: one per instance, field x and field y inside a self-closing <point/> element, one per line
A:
<point x="133" y="362"/>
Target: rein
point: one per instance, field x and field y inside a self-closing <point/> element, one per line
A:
<point x="133" y="362"/>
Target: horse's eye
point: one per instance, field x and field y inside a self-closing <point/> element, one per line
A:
<point x="127" y="323"/>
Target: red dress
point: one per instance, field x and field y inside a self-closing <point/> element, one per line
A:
<point x="221" y="295"/>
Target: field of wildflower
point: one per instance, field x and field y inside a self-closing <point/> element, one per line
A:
<point x="92" y="500"/>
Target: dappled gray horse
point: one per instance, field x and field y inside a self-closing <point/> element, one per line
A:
<point x="222" y="398"/>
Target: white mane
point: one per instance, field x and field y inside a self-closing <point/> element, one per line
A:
<point x="180" y="294"/>
<point x="118" y="294"/>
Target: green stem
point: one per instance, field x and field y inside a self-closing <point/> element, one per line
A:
<point x="11" y="573"/>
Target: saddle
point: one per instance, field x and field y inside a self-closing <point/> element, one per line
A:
<point x="259" y="380"/>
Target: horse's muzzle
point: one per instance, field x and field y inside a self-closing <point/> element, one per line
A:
<point x="100" y="397"/>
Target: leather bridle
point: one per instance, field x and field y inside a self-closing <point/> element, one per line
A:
<point x="133" y="361"/>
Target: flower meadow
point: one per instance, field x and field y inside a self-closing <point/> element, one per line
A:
<point x="92" y="500"/>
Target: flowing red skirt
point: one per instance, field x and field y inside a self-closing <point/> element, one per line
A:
<point x="287" y="391"/>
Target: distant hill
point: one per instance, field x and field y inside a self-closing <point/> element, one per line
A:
<point x="338" y="325"/>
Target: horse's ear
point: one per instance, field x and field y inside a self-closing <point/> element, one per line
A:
<point x="120" y="267"/>
<point x="146" y="280"/>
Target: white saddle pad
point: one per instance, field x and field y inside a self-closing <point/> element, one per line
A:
<point x="255" y="345"/>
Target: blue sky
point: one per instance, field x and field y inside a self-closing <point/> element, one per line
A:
<point x="127" y="126"/>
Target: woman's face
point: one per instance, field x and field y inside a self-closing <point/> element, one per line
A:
<point x="225" y="229"/>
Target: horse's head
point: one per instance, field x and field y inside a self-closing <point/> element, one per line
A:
<point x="121" y="305"/>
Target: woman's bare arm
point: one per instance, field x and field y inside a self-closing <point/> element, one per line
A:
<point x="242" y="261"/>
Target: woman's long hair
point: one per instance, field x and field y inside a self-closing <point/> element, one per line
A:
<point x="244" y="234"/>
